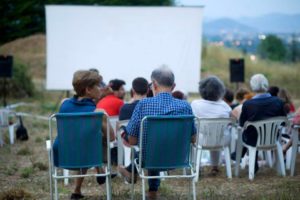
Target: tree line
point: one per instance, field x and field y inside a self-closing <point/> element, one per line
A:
<point x="20" y="18"/>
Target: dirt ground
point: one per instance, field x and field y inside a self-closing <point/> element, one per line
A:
<point x="24" y="175"/>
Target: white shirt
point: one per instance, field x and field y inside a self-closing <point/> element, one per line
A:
<point x="210" y="109"/>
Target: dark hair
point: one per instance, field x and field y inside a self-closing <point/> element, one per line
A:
<point x="228" y="96"/>
<point x="178" y="95"/>
<point x="240" y="93"/>
<point x="115" y="84"/>
<point x="211" y="88"/>
<point x="83" y="79"/>
<point x="140" y="85"/>
<point x="273" y="90"/>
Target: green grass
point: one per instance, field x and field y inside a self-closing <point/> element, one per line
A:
<point x="24" y="151"/>
<point x="26" y="172"/>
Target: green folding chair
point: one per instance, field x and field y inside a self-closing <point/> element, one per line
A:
<point x="79" y="147"/>
<point x="165" y="144"/>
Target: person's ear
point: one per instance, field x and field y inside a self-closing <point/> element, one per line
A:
<point x="173" y="86"/>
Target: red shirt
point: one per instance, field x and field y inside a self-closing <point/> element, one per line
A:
<point x="111" y="104"/>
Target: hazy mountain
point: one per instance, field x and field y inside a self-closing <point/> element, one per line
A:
<point x="274" y="23"/>
<point x="226" y="25"/>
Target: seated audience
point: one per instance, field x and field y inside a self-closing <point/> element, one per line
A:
<point x="286" y="98"/>
<point x="212" y="90"/>
<point x="262" y="106"/>
<point x="139" y="91"/>
<point x="113" y="101"/>
<point x="86" y="86"/>
<point x="161" y="104"/>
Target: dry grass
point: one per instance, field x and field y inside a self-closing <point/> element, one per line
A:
<point x="29" y="172"/>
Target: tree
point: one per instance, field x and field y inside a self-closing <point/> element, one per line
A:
<point x="20" y="18"/>
<point x="293" y="54"/>
<point x="272" y="48"/>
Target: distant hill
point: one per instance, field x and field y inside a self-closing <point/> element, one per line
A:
<point x="226" y="25"/>
<point x="272" y="23"/>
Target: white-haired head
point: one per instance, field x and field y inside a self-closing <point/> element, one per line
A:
<point x="259" y="83"/>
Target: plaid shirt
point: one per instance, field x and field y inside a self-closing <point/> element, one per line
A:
<point x="161" y="104"/>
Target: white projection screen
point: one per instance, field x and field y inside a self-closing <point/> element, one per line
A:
<point x="123" y="42"/>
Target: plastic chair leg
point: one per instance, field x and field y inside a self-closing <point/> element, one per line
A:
<point x="228" y="163"/>
<point x="288" y="157"/>
<point x="280" y="161"/>
<point x="194" y="189"/>
<point x="252" y="154"/>
<point x="294" y="150"/>
<point x="11" y="134"/>
<point x="198" y="160"/>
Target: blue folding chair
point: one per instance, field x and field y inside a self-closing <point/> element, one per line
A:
<point x="165" y="144"/>
<point x="79" y="146"/>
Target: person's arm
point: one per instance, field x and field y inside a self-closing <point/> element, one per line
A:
<point x="104" y="126"/>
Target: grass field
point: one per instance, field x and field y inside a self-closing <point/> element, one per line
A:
<point x="24" y="165"/>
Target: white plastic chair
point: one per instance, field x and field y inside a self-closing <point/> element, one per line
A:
<point x="5" y="114"/>
<point x="214" y="135"/>
<point x="268" y="139"/>
<point x="294" y="149"/>
<point x="123" y="151"/>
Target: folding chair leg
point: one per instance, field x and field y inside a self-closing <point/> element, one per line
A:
<point x="55" y="188"/>
<point x="132" y="174"/>
<point x="252" y="155"/>
<point x="228" y="163"/>
<point x="108" y="186"/>
<point x="66" y="173"/>
<point x="194" y="189"/>
<point x="143" y="188"/>
<point x="280" y="161"/>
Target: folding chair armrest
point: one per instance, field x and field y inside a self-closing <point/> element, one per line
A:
<point x="136" y="148"/>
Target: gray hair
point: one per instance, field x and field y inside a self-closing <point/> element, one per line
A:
<point x="163" y="76"/>
<point x="211" y="88"/>
<point x="259" y="83"/>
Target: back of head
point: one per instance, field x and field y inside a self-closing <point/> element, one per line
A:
<point x="284" y="96"/>
<point x="259" y="83"/>
<point x="140" y="86"/>
<point x="83" y="79"/>
<point x="163" y="76"/>
<point x="211" y="88"/>
<point x="178" y="95"/>
<point x="116" y="84"/>
<point x="228" y="96"/>
<point x="240" y="94"/>
<point x="273" y="90"/>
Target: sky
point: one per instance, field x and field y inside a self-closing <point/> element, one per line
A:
<point x="243" y="8"/>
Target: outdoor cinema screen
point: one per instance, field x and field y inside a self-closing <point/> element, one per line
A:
<point x="123" y="43"/>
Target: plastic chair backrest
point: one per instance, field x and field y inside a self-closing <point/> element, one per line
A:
<point x="4" y="115"/>
<point x="268" y="130"/>
<point x="80" y="139"/>
<point x="212" y="131"/>
<point x="167" y="141"/>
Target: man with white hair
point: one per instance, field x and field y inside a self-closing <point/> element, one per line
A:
<point x="161" y="104"/>
<point x="262" y="106"/>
